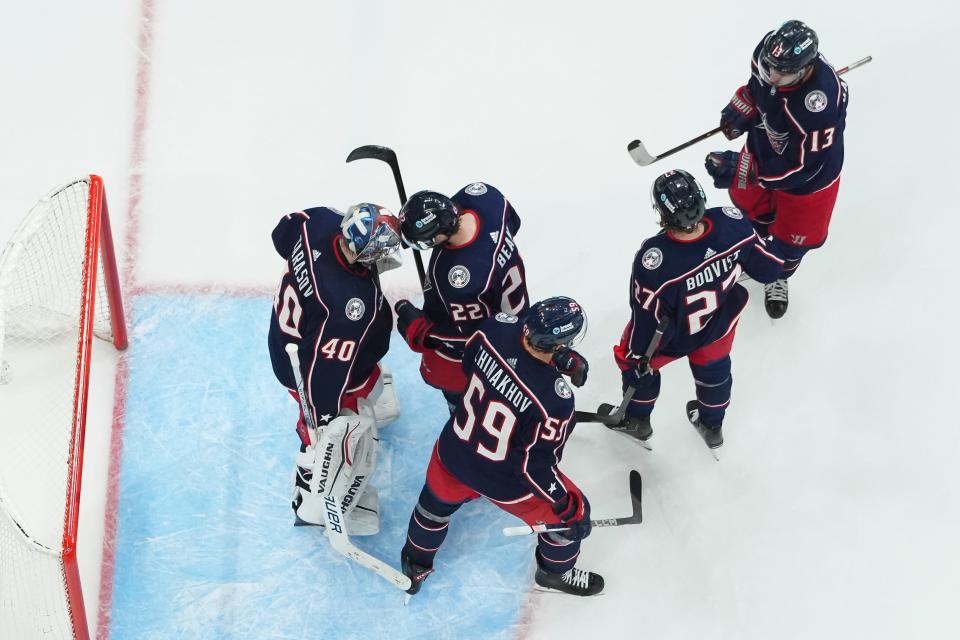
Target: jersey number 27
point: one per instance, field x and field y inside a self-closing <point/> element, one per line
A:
<point x="698" y="319"/>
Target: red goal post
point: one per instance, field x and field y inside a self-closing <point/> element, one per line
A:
<point x="59" y="287"/>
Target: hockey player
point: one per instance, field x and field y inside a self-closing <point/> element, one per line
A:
<point x="787" y="175"/>
<point x="475" y="271"/>
<point x="330" y="305"/>
<point x="688" y="273"/>
<point x="504" y="442"/>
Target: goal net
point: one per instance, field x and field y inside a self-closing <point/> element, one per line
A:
<point x="58" y="289"/>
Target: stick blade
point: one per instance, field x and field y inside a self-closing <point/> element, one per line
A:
<point x="640" y="154"/>
<point x="636" y="488"/>
<point x="374" y="152"/>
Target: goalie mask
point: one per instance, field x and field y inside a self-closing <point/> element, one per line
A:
<point x="371" y="232"/>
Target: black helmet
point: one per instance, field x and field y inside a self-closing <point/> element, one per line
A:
<point x="679" y="200"/>
<point x="426" y="215"/>
<point x="788" y="49"/>
<point x="554" y="322"/>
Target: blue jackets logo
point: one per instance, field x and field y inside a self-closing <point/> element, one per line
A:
<point x="459" y="276"/>
<point x="652" y="258"/>
<point x="355" y="309"/>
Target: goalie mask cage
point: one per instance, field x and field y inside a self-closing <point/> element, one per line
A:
<point x="58" y="288"/>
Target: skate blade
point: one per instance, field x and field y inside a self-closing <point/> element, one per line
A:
<point x="542" y="589"/>
<point x="643" y="443"/>
<point x="406" y="599"/>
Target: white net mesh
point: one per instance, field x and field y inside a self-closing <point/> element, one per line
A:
<point x="41" y="292"/>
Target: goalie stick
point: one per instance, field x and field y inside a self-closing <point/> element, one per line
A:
<point x="636" y="486"/>
<point x="603" y="414"/>
<point x="642" y="157"/>
<point x="388" y="155"/>
<point x="335" y="529"/>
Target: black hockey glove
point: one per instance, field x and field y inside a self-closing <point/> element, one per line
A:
<point x="638" y="376"/>
<point x="738" y="114"/>
<point x="412" y="325"/>
<point x="729" y="168"/>
<point x="571" y="363"/>
<point x="570" y="512"/>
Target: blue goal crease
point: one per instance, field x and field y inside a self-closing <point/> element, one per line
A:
<point x="205" y="544"/>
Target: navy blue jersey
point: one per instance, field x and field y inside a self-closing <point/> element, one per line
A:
<point x="506" y="437"/>
<point x="798" y="142"/>
<point x="333" y="311"/>
<point x="478" y="279"/>
<point x="694" y="283"/>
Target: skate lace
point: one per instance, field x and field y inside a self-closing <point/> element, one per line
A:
<point x="577" y="578"/>
<point x="777" y="291"/>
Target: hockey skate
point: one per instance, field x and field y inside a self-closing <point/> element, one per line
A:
<point x="633" y="426"/>
<point x="575" y="581"/>
<point x="775" y="298"/>
<point x="712" y="436"/>
<point x="415" y="572"/>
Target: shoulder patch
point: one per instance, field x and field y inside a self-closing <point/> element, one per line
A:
<point x="355" y="309"/>
<point x="506" y="318"/>
<point x="816" y="101"/>
<point x="476" y="189"/>
<point x="733" y="212"/>
<point x="652" y="258"/>
<point x="562" y="389"/>
<point x="459" y="276"/>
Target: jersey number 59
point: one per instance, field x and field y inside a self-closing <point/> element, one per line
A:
<point x="498" y="421"/>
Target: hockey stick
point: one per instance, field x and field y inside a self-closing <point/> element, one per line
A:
<point x="642" y="157"/>
<point x="336" y="533"/>
<point x="603" y="415"/>
<point x="636" y="486"/>
<point x="385" y="154"/>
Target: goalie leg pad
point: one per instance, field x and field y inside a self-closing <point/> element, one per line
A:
<point x="342" y="464"/>
<point x="386" y="405"/>
<point x="364" y="519"/>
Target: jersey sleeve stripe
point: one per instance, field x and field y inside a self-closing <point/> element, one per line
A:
<point x="526" y="459"/>
<point x="496" y="251"/>
<point x="759" y="247"/>
<point x="700" y="266"/>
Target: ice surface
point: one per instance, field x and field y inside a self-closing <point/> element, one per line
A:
<point x="833" y="512"/>
<point x="206" y="546"/>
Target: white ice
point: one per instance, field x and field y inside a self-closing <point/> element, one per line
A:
<point x="833" y="512"/>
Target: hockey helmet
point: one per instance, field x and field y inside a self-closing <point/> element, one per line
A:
<point x="555" y="322"/>
<point x="679" y="200"/>
<point x="370" y="231"/>
<point x="426" y="215"/>
<point x="788" y="50"/>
